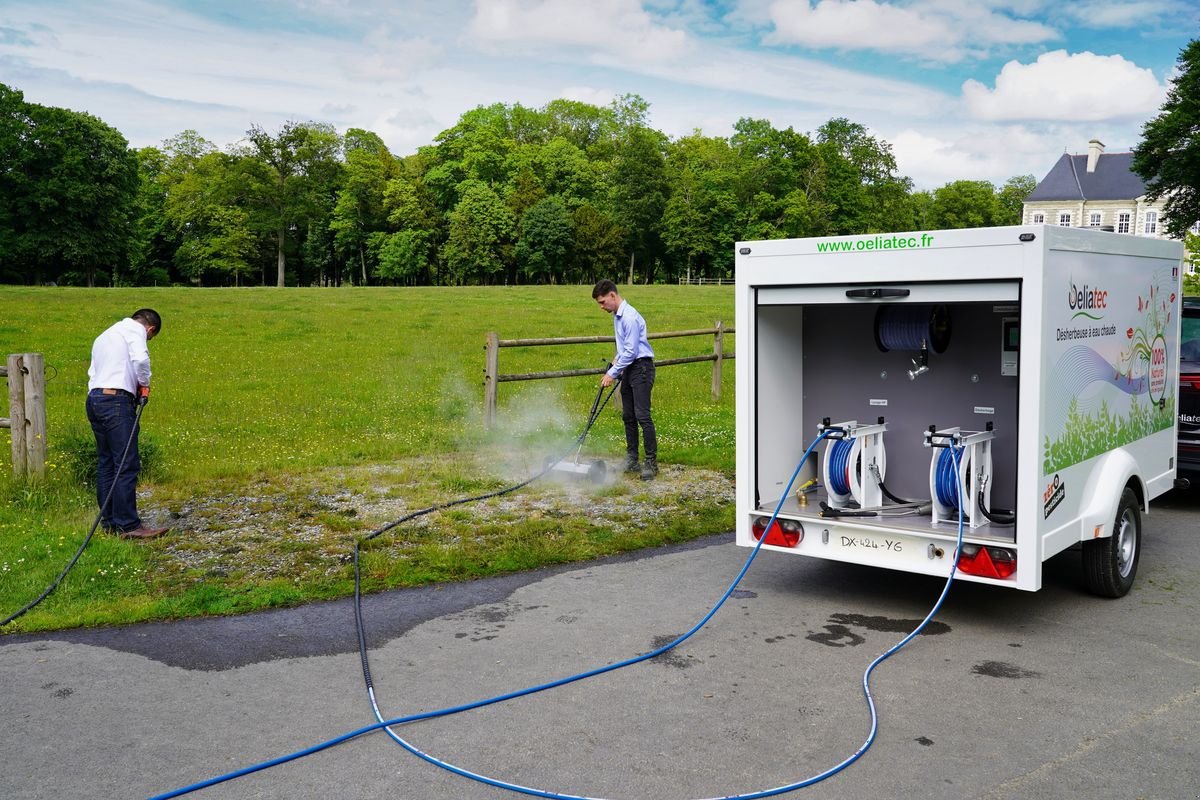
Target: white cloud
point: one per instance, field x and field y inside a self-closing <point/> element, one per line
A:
<point x="936" y="157"/>
<point x="1061" y="86"/>
<point x="589" y="95"/>
<point x="619" y="27"/>
<point x="387" y="57"/>
<point x="938" y="30"/>
<point x="855" y="24"/>
<point x="1125" y="13"/>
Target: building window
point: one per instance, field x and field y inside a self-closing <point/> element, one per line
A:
<point x="1151" y="223"/>
<point x="1195" y="228"/>
<point x="1064" y="219"/>
<point x="1094" y="219"/>
<point x="1040" y="219"/>
<point x="1123" y="222"/>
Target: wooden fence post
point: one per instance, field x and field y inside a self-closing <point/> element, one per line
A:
<point x="719" y="353"/>
<point x="491" y="369"/>
<point x="16" y="413"/>
<point x="26" y="375"/>
<point x="35" y="414"/>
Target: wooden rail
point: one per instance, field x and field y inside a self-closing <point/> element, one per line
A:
<point x="26" y="373"/>
<point x="491" y="369"/>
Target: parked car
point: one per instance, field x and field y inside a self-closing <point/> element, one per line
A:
<point x="1189" y="392"/>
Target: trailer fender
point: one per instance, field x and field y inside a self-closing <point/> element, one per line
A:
<point x="1113" y="471"/>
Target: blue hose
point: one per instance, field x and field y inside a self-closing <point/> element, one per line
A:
<point x="386" y="725"/>
<point x="839" y="466"/>
<point x="946" y="477"/>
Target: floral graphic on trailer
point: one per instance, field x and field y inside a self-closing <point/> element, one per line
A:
<point x="1140" y="372"/>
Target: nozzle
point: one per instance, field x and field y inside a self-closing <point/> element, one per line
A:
<point x="918" y="370"/>
<point x="920" y="364"/>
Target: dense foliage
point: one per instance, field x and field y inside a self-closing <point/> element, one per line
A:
<point x="1168" y="158"/>
<point x="567" y="193"/>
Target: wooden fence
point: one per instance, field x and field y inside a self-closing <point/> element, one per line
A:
<point x="685" y="281"/>
<point x="492" y="377"/>
<point x="26" y="374"/>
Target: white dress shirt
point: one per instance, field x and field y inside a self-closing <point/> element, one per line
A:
<point x="120" y="359"/>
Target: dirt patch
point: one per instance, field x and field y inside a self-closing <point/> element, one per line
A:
<point x="303" y="527"/>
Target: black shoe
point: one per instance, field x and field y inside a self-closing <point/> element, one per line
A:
<point x="649" y="468"/>
<point x="631" y="465"/>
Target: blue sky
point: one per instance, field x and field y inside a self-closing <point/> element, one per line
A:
<point x="961" y="89"/>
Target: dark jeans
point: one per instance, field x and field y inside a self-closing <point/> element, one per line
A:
<point x="637" y="382"/>
<point x="112" y="417"/>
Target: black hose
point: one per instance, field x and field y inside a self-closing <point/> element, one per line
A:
<point x="997" y="516"/>
<point x="49" y="589"/>
<point x="893" y="497"/>
<point x="359" y="624"/>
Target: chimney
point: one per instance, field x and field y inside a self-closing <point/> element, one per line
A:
<point x="1095" y="148"/>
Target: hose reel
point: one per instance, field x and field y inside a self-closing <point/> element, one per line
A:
<point x="852" y="454"/>
<point x="961" y="466"/>
<point x="913" y="327"/>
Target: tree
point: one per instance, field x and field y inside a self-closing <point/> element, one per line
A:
<point x="481" y="229"/>
<point x="1011" y="199"/>
<point x="290" y="177"/>
<point x="1168" y="157"/>
<point x="965" y="204"/>
<point x="547" y="238"/>
<point x="698" y="223"/>
<point x="69" y="184"/>
<point x="639" y="191"/>
<point x="16" y="129"/>
<point x="212" y="228"/>
<point x="862" y="188"/>
<point x="358" y="213"/>
<point x="598" y="245"/>
<point x="163" y="173"/>
<point x="407" y="253"/>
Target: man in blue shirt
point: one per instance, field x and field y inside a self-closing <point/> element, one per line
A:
<point x="634" y="365"/>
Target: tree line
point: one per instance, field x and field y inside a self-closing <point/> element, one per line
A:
<point x="566" y="193"/>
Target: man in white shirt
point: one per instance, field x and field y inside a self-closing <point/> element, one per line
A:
<point x="118" y="379"/>
<point x="634" y="365"/>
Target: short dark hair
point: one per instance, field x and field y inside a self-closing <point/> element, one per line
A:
<point x="150" y="317"/>
<point x="602" y="288"/>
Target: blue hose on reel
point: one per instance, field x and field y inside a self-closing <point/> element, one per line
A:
<point x="839" y="466"/>
<point x="945" y="482"/>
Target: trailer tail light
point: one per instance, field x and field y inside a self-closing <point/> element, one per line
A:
<point x="783" y="532"/>
<point x="987" y="562"/>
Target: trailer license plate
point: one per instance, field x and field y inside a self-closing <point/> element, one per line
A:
<point x="872" y="544"/>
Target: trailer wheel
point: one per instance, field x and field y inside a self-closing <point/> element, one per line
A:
<point x="1110" y="564"/>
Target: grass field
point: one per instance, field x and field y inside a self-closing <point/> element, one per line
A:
<point x="285" y="423"/>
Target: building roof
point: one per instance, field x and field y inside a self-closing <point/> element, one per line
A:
<point x="1069" y="179"/>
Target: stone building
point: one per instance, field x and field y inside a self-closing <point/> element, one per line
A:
<point x="1097" y="190"/>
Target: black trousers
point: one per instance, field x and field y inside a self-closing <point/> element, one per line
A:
<point x="637" y="382"/>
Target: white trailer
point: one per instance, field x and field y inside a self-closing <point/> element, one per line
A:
<point x="1026" y="375"/>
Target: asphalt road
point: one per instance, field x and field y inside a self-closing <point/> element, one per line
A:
<point x="1054" y="695"/>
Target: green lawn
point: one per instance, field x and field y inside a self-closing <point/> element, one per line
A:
<point x="302" y="394"/>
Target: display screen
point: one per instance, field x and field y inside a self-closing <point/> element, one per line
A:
<point x="1012" y="336"/>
